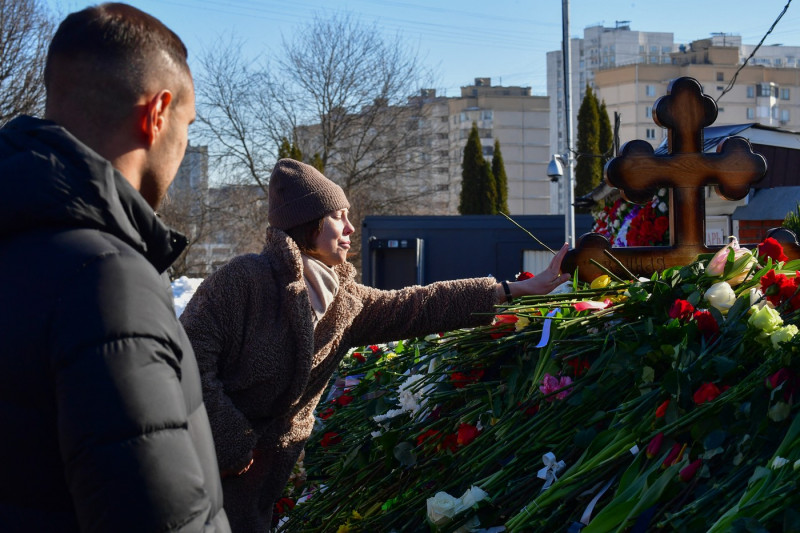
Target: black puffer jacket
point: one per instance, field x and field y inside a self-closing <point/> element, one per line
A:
<point x="103" y="425"/>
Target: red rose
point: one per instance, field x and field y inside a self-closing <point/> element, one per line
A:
<point x="706" y="323"/>
<point x="706" y="393"/>
<point x="688" y="471"/>
<point x="524" y="275"/>
<point x="330" y="438"/>
<point x="681" y="309"/>
<point x="359" y="357"/>
<point x="374" y="348"/>
<point x="466" y="434"/>
<point x="771" y="248"/>
<point x="661" y="410"/>
<point x="326" y="413"/>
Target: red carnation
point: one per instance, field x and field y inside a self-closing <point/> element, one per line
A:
<point x="449" y="442"/>
<point x="466" y="434"/>
<point x="681" y="309"/>
<point x="425" y="436"/>
<point x="503" y="325"/>
<point x="706" y="393"/>
<point x="579" y="365"/>
<point x="771" y="248"/>
<point x="326" y="413"/>
<point x="359" y="357"/>
<point x="524" y="275"/>
<point x="707" y="324"/>
<point x="284" y="505"/>
<point x="342" y="400"/>
<point x="460" y="380"/>
<point x="330" y="438"/>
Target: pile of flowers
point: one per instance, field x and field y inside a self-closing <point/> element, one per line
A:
<point x="627" y="224"/>
<point x="627" y="405"/>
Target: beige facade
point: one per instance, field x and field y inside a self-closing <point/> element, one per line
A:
<point x="510" y="115"/>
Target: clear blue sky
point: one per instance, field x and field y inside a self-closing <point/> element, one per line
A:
<point x="506" y="40"/>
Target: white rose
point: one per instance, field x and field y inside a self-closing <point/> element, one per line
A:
<point x="720" y="296"/>
<point x="441" y="508"/>
<point x="662" y="207"/>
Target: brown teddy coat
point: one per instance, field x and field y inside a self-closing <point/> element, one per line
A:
<point x="264" y="366"/>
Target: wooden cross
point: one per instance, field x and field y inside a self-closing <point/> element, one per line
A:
<point x="685" y="171"/>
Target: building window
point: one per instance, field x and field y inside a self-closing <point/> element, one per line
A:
<point x="486" y="114"/>
<point x="751" y="113"/>
<point x="775" y="112"/>
<point x="784" y="116"/>
<point x="648" y="112"/>
<point x="650" y="133"/>
<point x="784" y="94"/>
<point x="650" y="90"/>
<point x="720" y="76"/>
<point x="751" y="91"/>
<point x="488" y="151"/>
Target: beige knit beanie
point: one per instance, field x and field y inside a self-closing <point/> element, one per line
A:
<point x="299" y="193"/>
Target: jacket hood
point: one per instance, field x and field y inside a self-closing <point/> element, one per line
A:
<point x="49" y="180"/>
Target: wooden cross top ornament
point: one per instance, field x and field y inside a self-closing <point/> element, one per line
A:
<point x="638" y="173"/>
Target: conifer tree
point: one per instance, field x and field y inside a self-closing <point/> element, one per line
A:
<point x="500" y="179"/>
<point x="478" y="191"/>
<point x="291" y="151"/>
<point x="606" y="134"/>
<point x="589" y="169"/>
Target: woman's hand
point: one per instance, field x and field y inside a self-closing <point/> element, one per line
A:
<point x="541" y="283"/>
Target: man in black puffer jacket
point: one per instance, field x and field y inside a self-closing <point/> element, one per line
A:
<point x="104" y="428"/>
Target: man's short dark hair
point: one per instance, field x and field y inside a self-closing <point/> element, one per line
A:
<point x="107" y="55"/>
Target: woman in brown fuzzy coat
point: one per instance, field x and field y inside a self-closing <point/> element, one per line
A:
<point x="270" y="329"/>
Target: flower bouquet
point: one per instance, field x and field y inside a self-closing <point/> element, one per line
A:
<point x="627" y="224"/>
<point x="624" y="405"/>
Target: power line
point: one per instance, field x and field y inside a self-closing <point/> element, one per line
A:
<point x="744" y="64"/>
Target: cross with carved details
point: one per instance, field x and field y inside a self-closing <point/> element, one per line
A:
<point x="685" y="171"/>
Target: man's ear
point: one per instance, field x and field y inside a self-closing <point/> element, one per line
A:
<point x="152" y="122"/>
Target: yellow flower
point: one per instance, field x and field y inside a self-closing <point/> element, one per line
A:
<point x="600" y="282"/>
<point x="521" y="323"/>
<point x="344" y="528"/>
<point x="356" y="515"/>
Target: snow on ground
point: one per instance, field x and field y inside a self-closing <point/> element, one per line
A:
<point x="182" y="290"/>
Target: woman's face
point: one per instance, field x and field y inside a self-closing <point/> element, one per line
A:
<point x="333" y="242"/>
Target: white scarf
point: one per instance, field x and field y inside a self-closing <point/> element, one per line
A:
<point x="322" y="283"/>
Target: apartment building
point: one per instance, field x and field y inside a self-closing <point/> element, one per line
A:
<point x="761" y="93"/>
<point x="511" y="115"/>
<point x="600" y="48"/>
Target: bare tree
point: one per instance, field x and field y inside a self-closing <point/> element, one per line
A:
<point x="25" y="32"/>
<point x="342" y="93"/>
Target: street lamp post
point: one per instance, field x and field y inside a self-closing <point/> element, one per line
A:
<point x="569" y="183"/>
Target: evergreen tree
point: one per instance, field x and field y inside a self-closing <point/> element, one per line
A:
<point x="500" y="179"/>
<point x="478" y="192"/>
<point x="292" y="151"/>
<point x="606" y="134"/>
<point x="589" y="167"/>
<point x="317" y="162"/>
